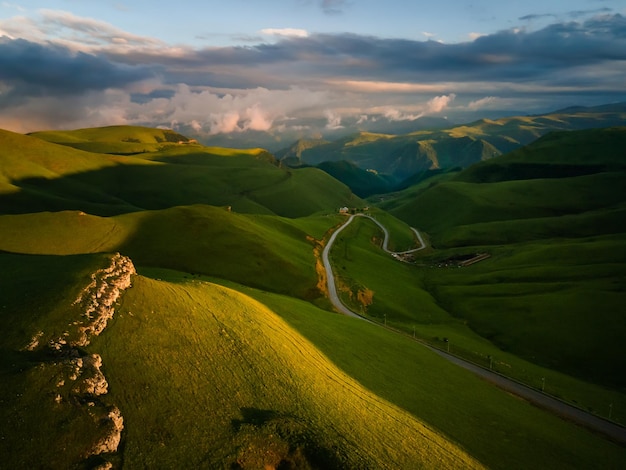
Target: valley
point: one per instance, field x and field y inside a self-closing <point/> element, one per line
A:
<point x="226" y="349"/>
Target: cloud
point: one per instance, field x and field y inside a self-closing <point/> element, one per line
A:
<point x="92" y="71"/>
<point x="432" y="106"/>
<point x="482" y="102"/>
<point x="532" y="17"/>
<point x="333" y="7"/>
<point x="439" y="103"/>
<point x="473" y="35"/>
<point x="32" y="69"/>
<point x="333" y="120"/>
<point x="393" y="114"/>
<point x="89" y="30"/>
<point x="288" y="32"/>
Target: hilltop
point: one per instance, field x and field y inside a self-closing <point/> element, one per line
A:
<point x="37" y="175"/>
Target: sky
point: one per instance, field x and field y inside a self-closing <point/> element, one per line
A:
<point x="302" y="66"/>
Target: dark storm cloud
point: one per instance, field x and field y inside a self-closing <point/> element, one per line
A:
<point x="40" y="69"/>
<point x="515" y="55"/>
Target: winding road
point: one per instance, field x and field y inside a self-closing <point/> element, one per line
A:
<point x="609" y="429"/>
<point x="332" y="285"/>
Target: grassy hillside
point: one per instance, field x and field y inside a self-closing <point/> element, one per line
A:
<point x="292" y="407"/>
<point x="168" y="347"/>
<point x="256" y="372"/>
<point x="363" y="183"/>
<point x="287" y="395"/>
<point x="517" y="435"/>
<point x="263" y="251"/>
<point x="551" y="216"/>
<point x="37" y="176"/>
<point x="123" y="140"/>
<point x="562" y="174"/>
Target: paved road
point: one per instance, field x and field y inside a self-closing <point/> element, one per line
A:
<point x="330" y="277"/>
<point x="607" y="428"/>
<point x="332" y="285"/>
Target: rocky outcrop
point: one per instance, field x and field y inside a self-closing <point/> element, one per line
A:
<point x="79" y="378"/>
<point x="99" y="297"/>
<point x="89" y="378"/>
<point x="112" y="426"/>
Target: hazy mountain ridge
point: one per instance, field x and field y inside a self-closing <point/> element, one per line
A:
<point x="401" y="156"/>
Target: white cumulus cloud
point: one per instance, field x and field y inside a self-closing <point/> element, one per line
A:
<point x="439" y="103"/>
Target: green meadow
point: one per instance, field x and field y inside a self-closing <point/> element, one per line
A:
<point x="225" y="352"/>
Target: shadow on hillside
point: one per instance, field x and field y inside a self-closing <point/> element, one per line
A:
<point x="129" y="188"/>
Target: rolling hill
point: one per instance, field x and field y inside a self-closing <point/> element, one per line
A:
<point x="163" y="305"/>
<point x="551" y="215"/>
<point x="37" y="175"/>
<point x="401" y="156"/>
<point x="164" y="354"/>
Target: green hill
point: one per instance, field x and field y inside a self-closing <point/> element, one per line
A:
<point x="37" y="176"/>
<point x="263" y="251"/>
<point x="164" y="354"/>
<point x="404" y="155"/>
<point x="222" y="352"/>
<point x="363" y="183"/>
<point x="551" y="215"/>
<point x="115" y="139"/>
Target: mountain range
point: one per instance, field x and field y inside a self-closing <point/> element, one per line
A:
<point x="397" y="158"/>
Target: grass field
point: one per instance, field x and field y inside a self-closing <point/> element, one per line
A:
<point x="264" y="251"/>
<point x="257" y="372"/>
<point x="500" y="307"/>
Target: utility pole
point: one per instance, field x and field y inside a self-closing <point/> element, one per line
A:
<point x="385" y="318"/>
<point x="543" y="384"/>
<point x="610" y="410"/>
<point x="413" y="331"/>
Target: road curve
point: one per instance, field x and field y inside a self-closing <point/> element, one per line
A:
<point x="332" y="285"/>
<point x="609" y="429"/>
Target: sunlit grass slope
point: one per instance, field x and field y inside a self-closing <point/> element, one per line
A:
<point x="264" y="251"/>
<point x="568" y="173"/>
<point x="207" y="377"/>
<point x="495" y="427"/>
<point x="37" y="175"/>
<point x="114" y="139"/>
